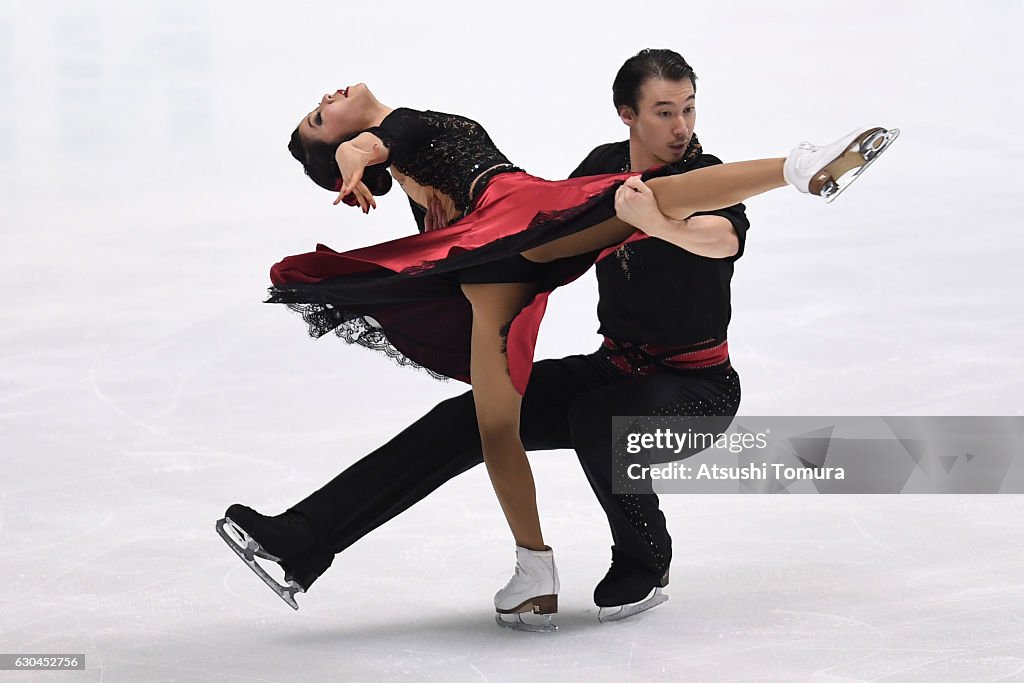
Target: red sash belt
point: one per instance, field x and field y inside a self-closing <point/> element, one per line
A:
<point x="647" y="359"/>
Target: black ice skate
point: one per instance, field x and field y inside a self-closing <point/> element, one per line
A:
<point x="284" y="534"/>
<point x="628" y="589"/>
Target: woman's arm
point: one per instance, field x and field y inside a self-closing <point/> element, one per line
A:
<point x="366" y="149"/>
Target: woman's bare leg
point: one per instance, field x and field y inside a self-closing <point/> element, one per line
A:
<point x="679" y="196"/>
<point x="497" y="408"/>
<point x="715" y="187"/>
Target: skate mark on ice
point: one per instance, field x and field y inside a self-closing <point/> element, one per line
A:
<point x="139" y="422"/>
<point x="629" y="660"/>
<point x="916" y="407"/>
<point x="961" y="653"/>
<point x="102" y="523"/>
<point x="881" y="545"/>
<point x="194" y="368"/>
<point x="481" y="674"/>
<point x="43" y="389"/>
<point x="947" y="615"/>
<point x="850" y="620"/>
<point x="969" y="571"/>
<point x="32" y="595"/>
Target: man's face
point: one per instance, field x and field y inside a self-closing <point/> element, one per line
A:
<point x="662" y="126"/>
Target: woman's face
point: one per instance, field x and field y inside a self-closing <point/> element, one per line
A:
<point x="338" y="114"/>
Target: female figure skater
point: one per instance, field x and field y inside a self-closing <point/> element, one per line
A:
<point x="465" y="301"/>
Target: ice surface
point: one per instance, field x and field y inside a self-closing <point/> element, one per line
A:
<point x="145" y="189"/>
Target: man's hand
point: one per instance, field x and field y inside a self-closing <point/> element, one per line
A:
<point x="708" y="236"/>
<point x="635" y="204"/>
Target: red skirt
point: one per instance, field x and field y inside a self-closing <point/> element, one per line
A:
<point x="404" y="297"/>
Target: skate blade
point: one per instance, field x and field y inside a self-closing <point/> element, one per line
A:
<point x="249" y="544"/>
<point x="626" y="611"/>
<point x="516" y="623"/>
<point x="861" y="153"/>
<point x="248" y="550"/>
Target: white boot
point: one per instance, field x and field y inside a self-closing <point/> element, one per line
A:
<point x="533" y="588"/>
<point x="826" y="170"/>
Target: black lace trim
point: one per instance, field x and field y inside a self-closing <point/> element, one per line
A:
<point x="352" y="328"/>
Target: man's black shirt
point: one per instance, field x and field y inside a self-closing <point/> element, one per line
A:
<point x="653" y="292"/>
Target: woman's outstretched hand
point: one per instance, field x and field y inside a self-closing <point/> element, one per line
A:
<point x="351" y="162"/>
<point x="359" y="196"/>
<point x="635" y="204"/>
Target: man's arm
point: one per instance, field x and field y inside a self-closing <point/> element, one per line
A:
<point x="713" y="234"/>
<point x="709" y="236"/>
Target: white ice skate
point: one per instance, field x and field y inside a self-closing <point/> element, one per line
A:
<point x="830" y="169"/>
<point x="246" y="547"/>
<point x="532" y="589"/>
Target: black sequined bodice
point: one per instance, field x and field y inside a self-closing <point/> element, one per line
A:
<point x="443" y="151"/>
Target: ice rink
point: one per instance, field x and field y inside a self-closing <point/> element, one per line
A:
<point x="145" y="189"/>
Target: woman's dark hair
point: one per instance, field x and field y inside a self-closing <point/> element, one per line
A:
<point x="644" y="65"/>
<point x="317" y="158"/>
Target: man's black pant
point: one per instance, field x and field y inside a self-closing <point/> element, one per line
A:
<point x="569" y="403"/>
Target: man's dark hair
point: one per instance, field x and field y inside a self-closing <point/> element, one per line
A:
<point x="644" y="65"/>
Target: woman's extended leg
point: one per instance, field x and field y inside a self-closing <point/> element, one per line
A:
<point x="715" y="187"/>
<point x="679" y="196"/>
